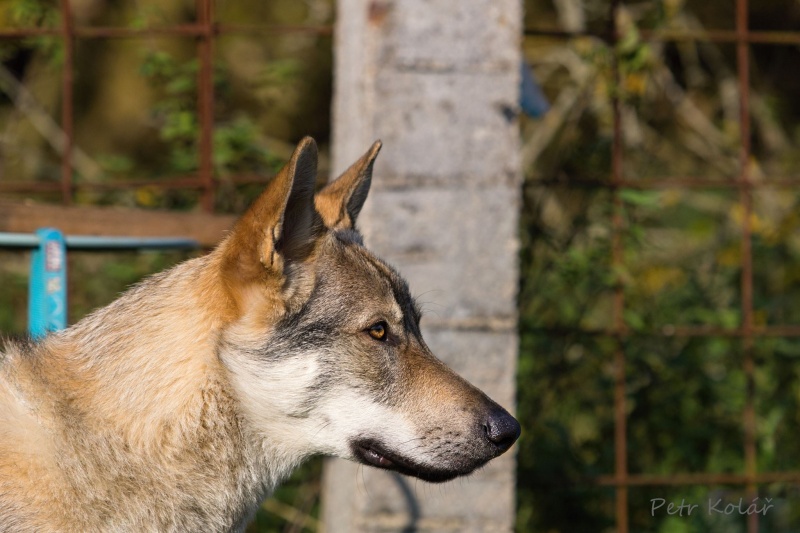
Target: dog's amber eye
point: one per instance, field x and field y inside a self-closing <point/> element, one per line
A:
<point x="379" y="331"/>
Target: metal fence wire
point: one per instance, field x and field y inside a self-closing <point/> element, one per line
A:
<point x="206" y="31"/>
<point x="748" y="331"/>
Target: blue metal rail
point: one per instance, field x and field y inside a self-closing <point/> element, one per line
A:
<point x="91" y="242"/>
<point x="47" y="285"/>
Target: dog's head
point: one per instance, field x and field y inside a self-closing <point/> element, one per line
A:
<point x="324" y="346"/>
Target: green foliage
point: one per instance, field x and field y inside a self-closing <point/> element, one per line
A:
<point x="679" y="263"/>
<point x="176" y="111"/>
<point x="301" y="496"/>
<point x="685" y="395"/>
<point x="281" y="71"/>
<point x="236" y="143"/>
<point x="13" y="293"/>
<point x="236" y="148"/>
<point x="32" y="14"/>
<point x="26" y="13"/>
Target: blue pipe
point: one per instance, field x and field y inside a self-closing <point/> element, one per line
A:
<point x="92" y="242"/>
<point x="47" y="286"/>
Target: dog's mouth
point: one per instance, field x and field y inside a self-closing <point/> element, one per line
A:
<point x="373" y="453"/>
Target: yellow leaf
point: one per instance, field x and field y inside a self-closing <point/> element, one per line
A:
<point x="146" y="197"/>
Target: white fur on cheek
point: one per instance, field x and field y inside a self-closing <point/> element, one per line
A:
<point x="271" y="392"/>
<point x="350" y="416"/>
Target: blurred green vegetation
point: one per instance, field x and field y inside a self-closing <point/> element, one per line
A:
<point x="680" y="265"/>
<point x="270" y="89"/>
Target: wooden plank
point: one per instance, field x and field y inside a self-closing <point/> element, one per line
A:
<point x="206" y="229"/>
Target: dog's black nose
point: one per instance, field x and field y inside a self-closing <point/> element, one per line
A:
<point x="501" y="429"/>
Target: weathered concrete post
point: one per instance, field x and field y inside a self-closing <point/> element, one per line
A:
<point x="438" y="82"/>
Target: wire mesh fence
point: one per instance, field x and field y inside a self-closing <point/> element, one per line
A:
<point x="78" y="172"/>
<point x="631" y="178"/>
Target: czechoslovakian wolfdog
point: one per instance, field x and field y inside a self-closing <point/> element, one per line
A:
<point x="181" y="405"/>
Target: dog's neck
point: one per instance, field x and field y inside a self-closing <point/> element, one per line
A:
<point x="164" y="405"/>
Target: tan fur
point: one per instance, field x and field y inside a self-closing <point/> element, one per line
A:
<point x="340" y="203"/>
<point x="181" y="405"/>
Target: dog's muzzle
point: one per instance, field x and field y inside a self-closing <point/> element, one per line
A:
<point x="492" y="435"/>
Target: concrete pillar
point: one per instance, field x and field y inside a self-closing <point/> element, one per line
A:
<point x="437" y="81"/>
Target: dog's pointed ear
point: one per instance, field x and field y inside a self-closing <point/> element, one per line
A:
<point x="281" y="225"/>
<point x="340" y="202"/>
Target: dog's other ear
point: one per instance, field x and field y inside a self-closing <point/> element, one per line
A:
<point x="281" y="225"/>
<point x="340" y="202"/>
